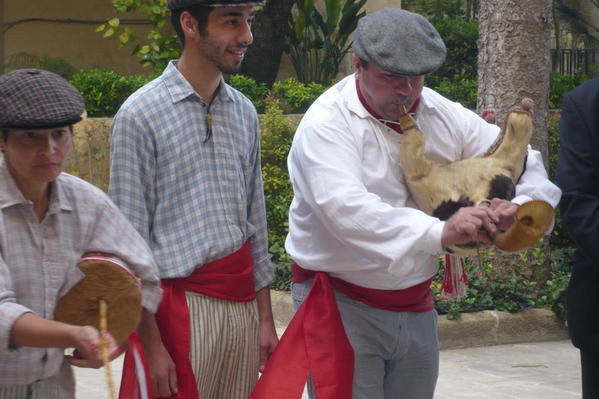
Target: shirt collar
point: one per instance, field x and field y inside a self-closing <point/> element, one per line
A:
<point x="11" y="195"/>
<point x="180" y="88"/>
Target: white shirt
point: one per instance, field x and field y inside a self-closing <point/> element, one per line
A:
<point x="352" y="214"/>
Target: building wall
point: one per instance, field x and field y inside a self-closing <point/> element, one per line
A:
<point x="374" y="5"/>
<point x="23" y="42"/>
<point x="76" y="42"/>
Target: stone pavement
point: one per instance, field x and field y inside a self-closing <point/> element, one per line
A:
<point x="485" y="355"/>
<point x="547" y="370"/>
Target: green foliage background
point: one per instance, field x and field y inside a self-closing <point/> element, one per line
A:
<point x="105" y="90"/>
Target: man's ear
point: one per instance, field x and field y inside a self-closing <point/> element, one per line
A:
<point x="357" y="65"/>
<point x="189" y="25"/>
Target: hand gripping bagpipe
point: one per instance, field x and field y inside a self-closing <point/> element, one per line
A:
<point x="440" y="190"/>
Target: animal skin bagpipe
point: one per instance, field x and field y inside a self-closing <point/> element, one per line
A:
<point x="440" y="190"/>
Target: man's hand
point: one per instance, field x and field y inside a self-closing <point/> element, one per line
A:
<point x="266" y="330"/>
<point x="465" y="225"/>
<point x="162" y="370"/>
<point x="505" y="211"/>
<point x="489" y="115"/>
<point x="87" y="348"/>
<point x="268" y="341"/>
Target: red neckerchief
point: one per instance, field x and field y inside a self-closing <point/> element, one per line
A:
<point x="394" y="126"/>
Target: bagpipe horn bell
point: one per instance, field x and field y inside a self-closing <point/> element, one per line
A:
<point x="533" y="219"/>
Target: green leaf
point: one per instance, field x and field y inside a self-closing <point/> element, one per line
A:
<point x="114" y="22"/>
<point x="333" y="9"/>
<point x="101" y="28"/>
<point x="109" y="34"/>
<point x="144" y="50"/>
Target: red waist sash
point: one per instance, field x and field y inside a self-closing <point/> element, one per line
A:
<point x="414" y="299"/>
<point x="315" y="341"/>
<point x="229" y="278"/>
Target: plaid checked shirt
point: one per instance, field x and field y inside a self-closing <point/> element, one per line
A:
<point x="37" y="262"/>
<point x="195" y="195"/>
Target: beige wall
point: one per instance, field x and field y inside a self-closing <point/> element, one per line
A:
<point x="78" y="43"/>
<point x="374" y="5"/>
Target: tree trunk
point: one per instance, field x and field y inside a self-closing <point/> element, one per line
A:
<point x="514" y="60"/>
<point x="263" y="58"/>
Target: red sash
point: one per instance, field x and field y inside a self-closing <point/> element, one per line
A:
<point x="315" y="341"/>
<point x="229" y="278"/>
<point x="414" y="299"/>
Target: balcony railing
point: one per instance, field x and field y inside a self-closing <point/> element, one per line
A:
<point x="570" y="61"/>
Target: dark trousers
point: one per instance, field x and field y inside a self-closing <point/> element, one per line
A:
<point x="590" y="374"/>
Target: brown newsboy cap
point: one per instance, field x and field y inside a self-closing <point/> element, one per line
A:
<point x="174" y="4"/>
<point x="38" y="99"/>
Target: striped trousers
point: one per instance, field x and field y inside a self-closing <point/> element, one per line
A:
<point x="224" y="346"/>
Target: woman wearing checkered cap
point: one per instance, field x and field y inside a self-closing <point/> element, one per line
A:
<point x="48" y="220"/>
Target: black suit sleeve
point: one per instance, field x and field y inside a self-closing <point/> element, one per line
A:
<point x="578" y="171"/>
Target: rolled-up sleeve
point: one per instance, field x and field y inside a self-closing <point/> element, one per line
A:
<point x="113" y="234"/>
<point x="534" y="183"/>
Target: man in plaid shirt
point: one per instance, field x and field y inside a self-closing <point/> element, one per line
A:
<point x="186" y="172"/>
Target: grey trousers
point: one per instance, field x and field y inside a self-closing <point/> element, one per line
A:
<point x="396" y="353"/>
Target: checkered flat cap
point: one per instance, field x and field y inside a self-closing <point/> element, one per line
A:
<point x="38" y="99"/>
<point x="399" y="42"/>
<point x="174" y="4"/>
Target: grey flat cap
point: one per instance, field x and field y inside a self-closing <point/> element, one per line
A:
<point x="38" y="99"/>
<point x="174" y="4"/>
<point x="399" y="42"/>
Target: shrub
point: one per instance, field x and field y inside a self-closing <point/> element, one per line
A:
<point x="297" y="96"/>
<point x="561" y="84"/>
<point x="104" y="90"/>
<point x="508" y="287"/>
<point x="559" y="236"/>
<point x="275" y="141"/>
<point x="460" y="36"/>
<point x="256" y="92"/>
<point x="553" y="294"/>
<point x="59" y="66"/>
<point x="458" y="88"/>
